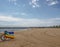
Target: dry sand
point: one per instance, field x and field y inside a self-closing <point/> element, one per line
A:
<point x="35" y="37"/>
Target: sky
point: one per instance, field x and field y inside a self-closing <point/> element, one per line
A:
<point x="29" y="13"/>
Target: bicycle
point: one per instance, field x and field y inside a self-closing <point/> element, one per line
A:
<point x="7" y="36"/>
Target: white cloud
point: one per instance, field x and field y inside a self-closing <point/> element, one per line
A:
<point x="13" y="21"/>
<point x="34" y="3"/>
<point x="9" y="18"/>
<point x="52" y="2"/>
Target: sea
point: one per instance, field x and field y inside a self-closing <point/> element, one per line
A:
<point x="18" y="29"/>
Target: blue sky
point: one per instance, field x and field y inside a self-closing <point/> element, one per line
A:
<point x="27" y="13"/>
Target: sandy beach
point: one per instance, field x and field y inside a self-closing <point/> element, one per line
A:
<point x="35" y="37"/>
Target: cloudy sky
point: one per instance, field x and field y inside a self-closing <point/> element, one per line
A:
<point x="25" y="13"/>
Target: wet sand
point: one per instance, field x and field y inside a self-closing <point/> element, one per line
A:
<point x="35" y="37"/>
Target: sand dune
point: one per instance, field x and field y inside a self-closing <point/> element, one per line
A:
<point x="35" y="37"/>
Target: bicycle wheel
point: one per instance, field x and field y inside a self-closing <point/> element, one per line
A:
<point x="3" y="38"/>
